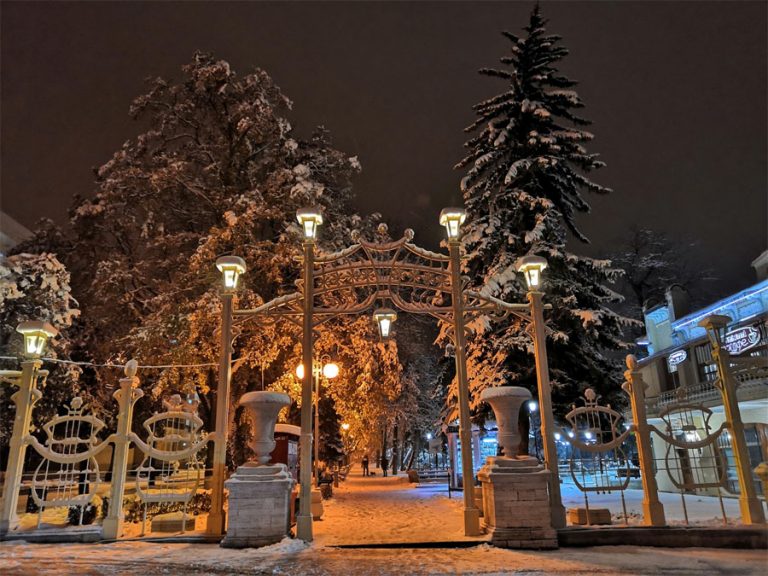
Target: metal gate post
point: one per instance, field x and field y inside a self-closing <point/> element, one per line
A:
<point x="750" y="505"/>
<point x="126" y="397"/>
<point x="653" y="509"/>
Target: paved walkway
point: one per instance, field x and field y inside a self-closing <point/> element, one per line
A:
<point x="376" y="510"/>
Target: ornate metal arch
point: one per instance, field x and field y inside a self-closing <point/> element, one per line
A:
<point x="413" y="279"/>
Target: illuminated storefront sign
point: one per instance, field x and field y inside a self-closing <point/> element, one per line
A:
<point x="742" y="339"/>
<point x="676" y="358"/>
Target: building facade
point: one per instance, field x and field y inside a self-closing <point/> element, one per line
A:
<point x="679" y="367"/>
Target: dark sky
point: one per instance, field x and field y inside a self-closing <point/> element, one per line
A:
<point x="676" y="91"/>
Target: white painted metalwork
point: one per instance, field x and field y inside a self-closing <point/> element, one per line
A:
<point x="598" y="462"/>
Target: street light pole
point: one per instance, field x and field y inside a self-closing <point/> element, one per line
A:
<point x="217" y="518"/>
<point x="231" y="268"/>
<point x="304" y="518"/>
<point x="545" y="406"/>
<point x="317" y="426"/>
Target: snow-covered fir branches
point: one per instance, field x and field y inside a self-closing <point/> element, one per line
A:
<point x="525" y="174"/>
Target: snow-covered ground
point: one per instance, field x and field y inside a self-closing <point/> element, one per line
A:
<point x="378" y="510"/>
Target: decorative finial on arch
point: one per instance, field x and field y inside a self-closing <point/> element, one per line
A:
<point x="631" y="361"/>
<point x="382" y="228"/>
<point x="355" y="235"/>
<point x="409" y="234"/>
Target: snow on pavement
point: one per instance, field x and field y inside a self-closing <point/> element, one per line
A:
<point x="375" y="510"/>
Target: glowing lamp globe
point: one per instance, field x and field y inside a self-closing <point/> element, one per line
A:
<point x="331" y="370"/>
<point x="231" y="267"/>
<point x="531" y="267"/>
<point x="36" y="333"/>
<point x="452" y="219"/>
<point x="310" y="219"/>
<point x="384" y="318"/>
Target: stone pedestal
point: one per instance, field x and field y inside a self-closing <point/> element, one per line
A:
<point x="516" y="503"/>
<point x="259" y="505"/>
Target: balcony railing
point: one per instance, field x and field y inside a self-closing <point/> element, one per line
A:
<point x="751" y="373"/>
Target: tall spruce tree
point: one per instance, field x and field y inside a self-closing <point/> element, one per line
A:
<point x="525" y="174"/>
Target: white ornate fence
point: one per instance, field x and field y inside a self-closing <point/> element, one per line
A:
<point x="69" y="492"/>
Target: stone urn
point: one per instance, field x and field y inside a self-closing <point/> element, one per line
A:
<point x="506" y="402"/>
<point x="263" y="408"/>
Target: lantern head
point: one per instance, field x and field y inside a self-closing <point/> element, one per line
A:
<point x="310" y="219"/>
<point x="452" y="219"/>
<point x="384" y="318"/>
<point x="36" y="334"/>
<point x="231" y="267"/>
<point x="532" y="267"/>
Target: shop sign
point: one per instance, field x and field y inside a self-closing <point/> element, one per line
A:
<point x="742" y="339"/>
<point x="676" y="358"/>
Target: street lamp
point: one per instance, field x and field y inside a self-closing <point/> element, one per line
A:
<point x="310" y="219"/>
<point x="452" y="219"/>
<point x="231" y="268"/>
<point x="36" y="333"/>
<point x="345" y="426"/>
<point x="532" y="267"/>
<point x="384" y="318"/>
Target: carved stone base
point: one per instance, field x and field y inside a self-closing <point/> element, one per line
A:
<point x="259" y="506"/>
<point x="516" y="508"/>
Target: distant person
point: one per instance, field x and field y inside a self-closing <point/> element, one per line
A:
<point x="384" y="464"/>
<point x="366" y="472"/>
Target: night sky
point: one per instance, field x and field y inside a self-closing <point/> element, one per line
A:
<point x="676" y="91"/>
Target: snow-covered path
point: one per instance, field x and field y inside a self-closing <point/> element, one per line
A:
<point x="373" y="510"/>
<point x="377" y="510"/>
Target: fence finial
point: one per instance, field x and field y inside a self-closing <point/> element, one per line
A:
<point x="131" y="367"/>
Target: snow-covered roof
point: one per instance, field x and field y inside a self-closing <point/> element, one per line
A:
<point x="11" y="232"/>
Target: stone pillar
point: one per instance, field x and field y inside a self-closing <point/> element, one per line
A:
<point x="259" y="493"/>
<point x="259" y="505"/>
<point x="516" y="503"/>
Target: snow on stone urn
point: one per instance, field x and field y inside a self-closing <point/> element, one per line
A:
<point x="506" y="402"/>
<point x="263" y="408"/>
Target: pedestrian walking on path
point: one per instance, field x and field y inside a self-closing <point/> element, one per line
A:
<point x="365" y="466"/>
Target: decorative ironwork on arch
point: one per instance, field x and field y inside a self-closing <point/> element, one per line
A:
<point x="411" y="278"/>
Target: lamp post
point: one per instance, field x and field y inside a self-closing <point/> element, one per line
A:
<point x="231" y="268"/>
<point x="452" y="219"/>
<point x="532" y="267"/>
<point x="309" y="219"/>
<point x="36" y="334"/>
<point x="750" y="506"/>
<point x="330" y="371"/>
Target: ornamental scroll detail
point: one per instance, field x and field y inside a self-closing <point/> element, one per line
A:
<point x="68" y="474"/>
<point x="599" y="462"/>
<point x="412" y="278"/>
<point x="172" y="469"/>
